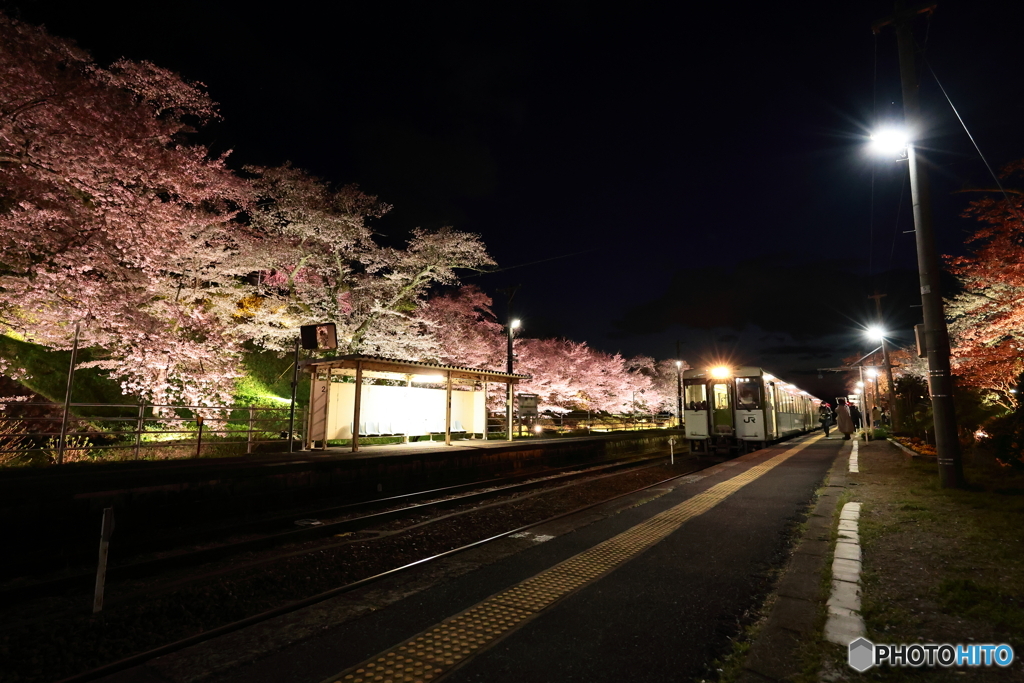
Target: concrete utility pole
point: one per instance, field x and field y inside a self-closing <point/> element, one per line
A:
<point x="510" y="327"/>
<point x="897" y="423"/>
<point x="940" y="379"/>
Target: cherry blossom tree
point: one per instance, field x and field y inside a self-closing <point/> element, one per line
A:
<point x="322" y="263"/>
<point x="105" y="206"/>
<point x="464" y="329"/>
<point x="565" y="375"/>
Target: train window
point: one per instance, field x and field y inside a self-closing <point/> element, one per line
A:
<point x="721" y="396"/>
<point x="748" y="393"/>
<point x="696" y="396"/>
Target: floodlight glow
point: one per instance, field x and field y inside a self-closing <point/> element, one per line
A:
<point x="679" y="364"/>
<point x="768" y="378"/>
<point x="721" y="372"/>
<point x="889" y="141"/>
<point x="515" y="324"/>
<point x="538" y="429"/>
<point x="875" y="332"/>
<point x="857" y="390"/>
<point x="871" y="372"/>
<point x="860" y="384"/>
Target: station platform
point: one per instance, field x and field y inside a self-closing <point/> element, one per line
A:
<point x="649" y="587"/>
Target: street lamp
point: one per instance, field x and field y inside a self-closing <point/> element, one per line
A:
<point x="512" y="326"/>
<point x="940" y="378"/>
<point x="878" y="333"/>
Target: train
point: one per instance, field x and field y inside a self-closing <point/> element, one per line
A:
<point x="742" y="409"/>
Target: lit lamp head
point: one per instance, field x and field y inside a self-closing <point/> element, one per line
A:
<point x="679" y="365"/>
<point x="871" y="372"/>
<point x="514" y="325"/>
<point x="860" y="384"/>
<point x="889" y="142"/>
<point x="720" y="372"/>
<point x="875" y="333"/>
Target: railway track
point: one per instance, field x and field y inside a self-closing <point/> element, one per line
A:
<point x="218" y="544"/>
<point x="295" y="605"/>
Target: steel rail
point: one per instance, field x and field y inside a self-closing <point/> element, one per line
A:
<point x="83" y="580"/>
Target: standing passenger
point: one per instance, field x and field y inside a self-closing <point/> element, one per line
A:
<point x="825" y="416"/>
<point x="876" y="417"/>
<point x="844" y="421"/>
<point x="855" y="414"/>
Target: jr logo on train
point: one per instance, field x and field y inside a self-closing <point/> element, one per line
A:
<point x="740" y="409"/>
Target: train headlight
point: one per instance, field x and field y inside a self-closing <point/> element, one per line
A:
<point x="721" y="372"/>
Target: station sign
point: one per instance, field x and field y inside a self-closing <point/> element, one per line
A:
<point x="321" y="337"/>
<point x="527" y="405"/>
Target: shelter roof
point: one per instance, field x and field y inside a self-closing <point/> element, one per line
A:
<point x="397" y="365"/>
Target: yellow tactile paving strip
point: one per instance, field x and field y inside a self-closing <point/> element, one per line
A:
<point x="441" y="648"/>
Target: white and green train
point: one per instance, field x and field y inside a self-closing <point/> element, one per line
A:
<point x="740" y="409"/>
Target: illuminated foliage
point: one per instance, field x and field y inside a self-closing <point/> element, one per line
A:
<point x="987" y="327"/>
<point x="111" y="218"/>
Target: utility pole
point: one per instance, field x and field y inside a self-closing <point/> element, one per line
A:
<point x="940" y="378"/>
<point x="510" y="326"/>
<point x="897" y="424"/>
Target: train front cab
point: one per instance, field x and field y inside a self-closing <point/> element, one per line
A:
<point x="730" y="410"/>
<point x="710" y="411"/>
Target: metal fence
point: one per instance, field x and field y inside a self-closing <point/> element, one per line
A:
<point x="105" y="431"/>
<point x="574" y="423"/>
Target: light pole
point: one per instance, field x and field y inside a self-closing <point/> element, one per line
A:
<point x="877" y="333"/>
<point x="679" y="392"/>
<point x="512" y="326"/>
<point x="940" y="378"/>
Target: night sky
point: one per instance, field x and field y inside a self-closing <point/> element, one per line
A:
<point x="647" y="171"/>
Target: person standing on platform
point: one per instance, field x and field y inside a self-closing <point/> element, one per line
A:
<point x="876" y="417"/>
<point x="855" y="414"/>
<point x="844" y="421"/>
<point x="825" y="417"/>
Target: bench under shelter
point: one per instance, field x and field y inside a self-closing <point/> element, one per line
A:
<point x="366" y="396"/>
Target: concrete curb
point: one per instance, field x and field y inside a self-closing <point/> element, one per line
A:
<point x="795" y="614"/>
<point x="844" y="622"/>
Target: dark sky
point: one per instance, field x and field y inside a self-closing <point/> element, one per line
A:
<point x="699" y="167"/>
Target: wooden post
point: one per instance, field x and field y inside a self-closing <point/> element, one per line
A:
<point x="358" y="405"/>
<point x="199" y="438"/>
<point x="486" y="415"/>
<point x="62" y="445"/>
<point x="106" y="529"/>
<point x="448" y="410"/>
<point x="248" y="444"/>
<point x="139" y="424"/>
<point x="408" y="387"/>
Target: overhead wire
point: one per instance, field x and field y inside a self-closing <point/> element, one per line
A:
<point x="995" y="177"/>
<point x="531" y="263"/>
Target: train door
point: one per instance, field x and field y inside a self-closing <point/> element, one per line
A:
<point x="773" y="403"/>
<point x="722" y="418"/>
<point x="750" y="415"/>
<point x="695" y="410"/>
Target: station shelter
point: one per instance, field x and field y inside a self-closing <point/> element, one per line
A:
<point x="362" y="396"/>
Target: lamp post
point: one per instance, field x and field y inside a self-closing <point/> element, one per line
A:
<point x="878" y="333"/>
<point x="511" y="328"/>
<point x="940" y="378"/>
<point x="679" y="392"/>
